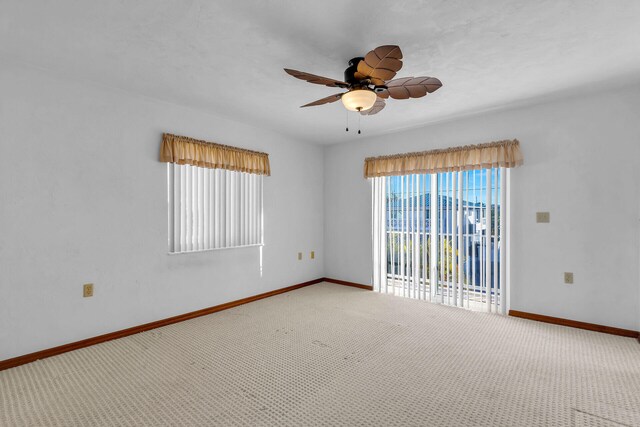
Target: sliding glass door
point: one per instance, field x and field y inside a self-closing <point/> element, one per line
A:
<point x="442" y="237"/>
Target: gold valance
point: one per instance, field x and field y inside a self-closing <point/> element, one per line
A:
<point x="504" y="154"/>
<point x="189" y="151"/>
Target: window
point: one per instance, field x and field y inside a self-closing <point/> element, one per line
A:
<point x="440" y="224"/>
<point x="214" y="194"/>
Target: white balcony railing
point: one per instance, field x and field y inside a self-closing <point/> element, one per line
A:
<point x="405" y="250"/>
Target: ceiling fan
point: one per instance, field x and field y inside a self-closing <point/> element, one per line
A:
<point x="369" y="82"/>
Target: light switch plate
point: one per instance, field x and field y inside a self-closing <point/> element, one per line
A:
<point x="568" y="278"/>
<point x="543" y="217"/>
<point x="299" y="256"/>
<point x="313" y="255"/>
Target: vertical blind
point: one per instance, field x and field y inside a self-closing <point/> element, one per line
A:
<point x="213" y="208"/>
<point x="441" y="237"/>
<point x="214" y="194"/>
<point x="440" y="223"/>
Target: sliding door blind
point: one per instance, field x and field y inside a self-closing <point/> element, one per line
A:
<point x="442" y="237"/>
<point x="213" y="208"/>
<point x="215" y="195"/>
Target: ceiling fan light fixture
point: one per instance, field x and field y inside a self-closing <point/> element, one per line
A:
<point x="377" y="68"/>
<point x="359" y="99"/>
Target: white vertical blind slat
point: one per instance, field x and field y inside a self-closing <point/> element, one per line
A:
<point x="474" y="226"/>
<point x="258" y="209"/>
<point x="389" y="235"/>
<point x="229" y="210"/>
<point x="206" y="191"/>
<point x="503" y="266"/>
<point x="252" y="229"/>
<point x="252" y="201"/>
<point x="375" y="235"/>
<point x="246" y="210"/>
<point x="454" y="238"/>
<point x="200" y="209"/>
<point x="410" y="201"/>
<point x="422" y="239"/>
<point x="416" y="235"/>
<point x="183" y="209"/>
<point x="195" y="196"/>
<point x="487" y="234"/>
<point x="234" y="210"/>
<point x="433" y="227"/>
<point x="212" y="208"/>
<point x="251" y="209"/>
<point x="441" y="235"/>
<point x="240" y="193"/>
<point x="459" y="220"/>
<point x="382" y="276"/>
<point x="494" y="246"/>
<point x="483" y="241"/>
<point x="187" y="209"/>
<point x="171" y="212"/>
<point x="221" y="204"/>
<point x="403" y="214"/>
<point x="174" y="191"/>
<point x="407" y="224"/>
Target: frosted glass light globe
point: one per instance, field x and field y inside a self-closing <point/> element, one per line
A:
<point x="359" y="99"/>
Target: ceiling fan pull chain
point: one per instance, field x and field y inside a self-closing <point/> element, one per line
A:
<point x="347" y="112"/>
<point x="358" y="124"/>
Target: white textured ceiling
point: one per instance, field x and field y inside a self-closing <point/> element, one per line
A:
<point x="227" y="56"/>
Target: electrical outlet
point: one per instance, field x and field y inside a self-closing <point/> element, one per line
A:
<point x="87" y="290"/>
<point x="543" y="217"/>
<point x="313" y="255"/>
<point x="568" y="278"/>
<point x="299" y="256"/>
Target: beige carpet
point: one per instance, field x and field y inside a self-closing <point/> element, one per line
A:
<point x="331" y="355"/>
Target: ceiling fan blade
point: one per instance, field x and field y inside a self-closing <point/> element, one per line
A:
<point x="410" y="87"/>
<point x="377" y="107"/>
<point x="380" y="65"/>
<point x="312" y="78"/>
<point x="327" y="100"/>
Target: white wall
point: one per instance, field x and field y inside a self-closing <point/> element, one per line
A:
<point x="581" y="164"/>
<point x="83" y="199"/>
<point x="72" y="211"/>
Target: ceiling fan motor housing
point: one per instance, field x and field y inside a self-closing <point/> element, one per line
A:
<point x="349" y="77"/>
<point x="349" y="73"/>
